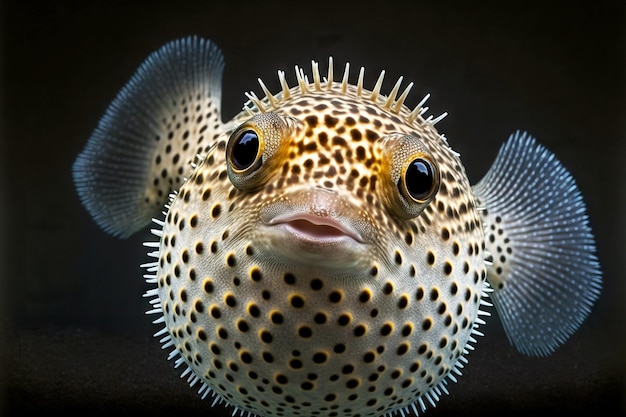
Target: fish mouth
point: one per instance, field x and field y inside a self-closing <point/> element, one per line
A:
<point x="316" y="229"/>
<point x="320" y="227"/>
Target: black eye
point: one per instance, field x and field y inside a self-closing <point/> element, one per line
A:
<point x="419" y="179"/>
<point x="244" y="149"/>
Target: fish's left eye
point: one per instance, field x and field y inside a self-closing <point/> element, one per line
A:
<point x="418" y="181"/>
<point x="256" y="148"/>
<point x="244" y="151"/>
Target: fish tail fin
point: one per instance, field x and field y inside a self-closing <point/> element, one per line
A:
<point x="544" y="270"/>
<point x="143" y="146"/>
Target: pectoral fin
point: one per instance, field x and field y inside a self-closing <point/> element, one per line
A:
<point x="141" y="150"/>
<point x="545" y="274"/>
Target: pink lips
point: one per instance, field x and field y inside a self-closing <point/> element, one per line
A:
<point x="317" y="228"/>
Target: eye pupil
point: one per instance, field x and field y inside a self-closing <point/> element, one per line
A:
<point x="245" y="149"/>
<point x="419" y="179"/>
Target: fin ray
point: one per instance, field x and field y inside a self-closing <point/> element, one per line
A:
<point x="142" y="148"/>
<point x="545" y="273"/>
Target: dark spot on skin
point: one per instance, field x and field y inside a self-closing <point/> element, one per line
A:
<point x="371" y="135"/>
<point x="320" y="357"/>
<point x="316" y="284"/>
<point x="419" y="294"/>
<point x="215" y="212"/>
<point x="206" y="194"/>
<point x="243" y="326"/>
<point x="330" y="121"/>
<point x="359" y="330"/>
<point x="398" y="258"/>
<point x="339" y="348"/>
<point x="305" y="332"/>
<point x="255" y="275"/>
<point x="339" y="141"/>
<point x="231" y="301"/>
<point x="427" y="324"/>
<point x="323" y="138"/>
<point x="344" y="320"/>
<point x="320" y="318"/>
<point x="266" y="336"/>
<point x="335" y="297"/>
<point x="289" y="278"/>
<point x="311" y="120"/>
<point x="356" y="134"/>
<point x="277" y="318"/>
<point x="254" y="311"/>
<point x="360" y="153"/>
<point x="337" y="155"/>
<point x="297" y="301"/>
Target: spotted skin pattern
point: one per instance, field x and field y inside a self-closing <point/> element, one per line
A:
<point x="276" y="337"/>
<point x="323" y="253"/>
<point x="185" y="131"/>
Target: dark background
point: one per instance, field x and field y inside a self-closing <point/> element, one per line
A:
<point x="74" y="334"/>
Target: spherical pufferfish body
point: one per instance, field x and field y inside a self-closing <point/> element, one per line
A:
<point x="326" y="258"/>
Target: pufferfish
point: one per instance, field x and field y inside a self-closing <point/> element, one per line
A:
<point x="323" y="253"/>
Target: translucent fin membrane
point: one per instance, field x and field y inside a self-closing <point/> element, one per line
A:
<point x="149" y="134"/>
<point x="544" y="270"/>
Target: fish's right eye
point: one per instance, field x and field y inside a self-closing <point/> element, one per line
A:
<point x="257" y="148"/>
<point x="245" y="151"/>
